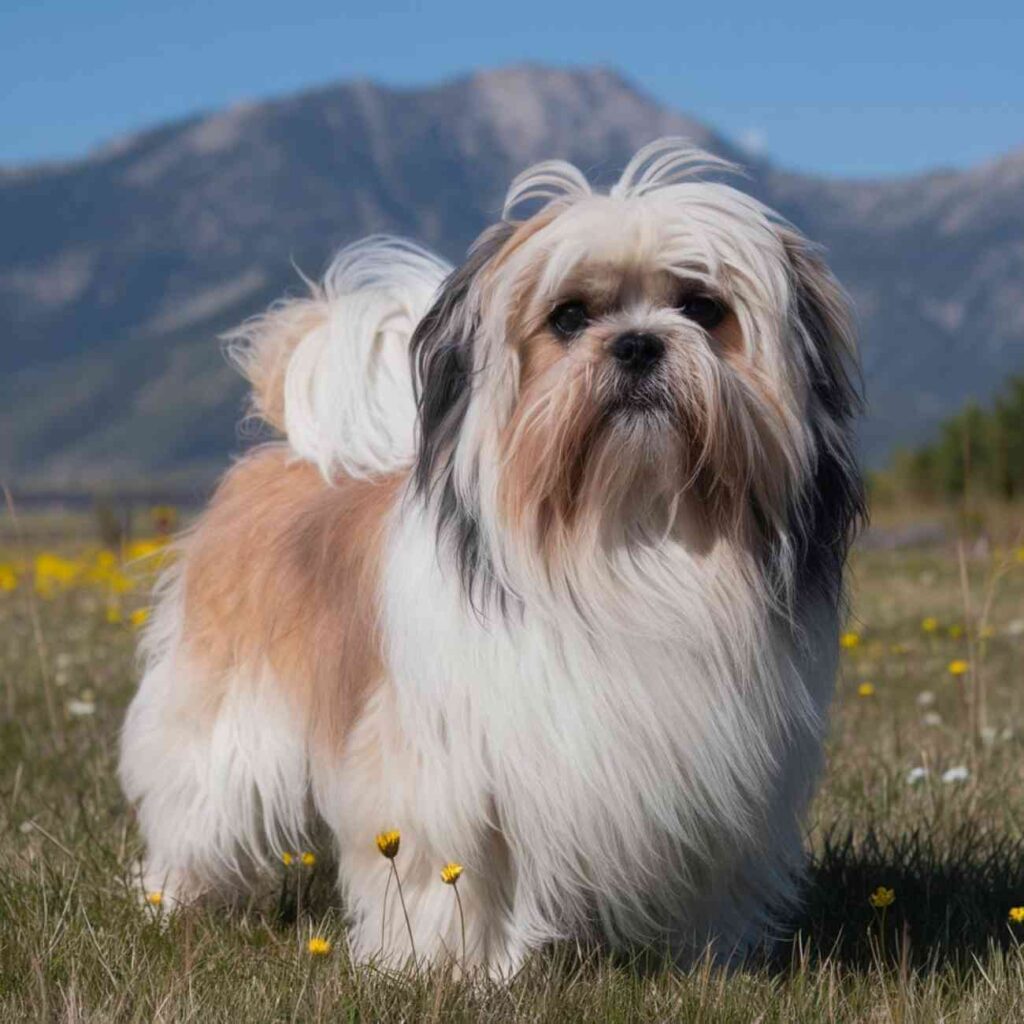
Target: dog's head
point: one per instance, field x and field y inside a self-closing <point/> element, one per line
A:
<point x="615" y="368"/>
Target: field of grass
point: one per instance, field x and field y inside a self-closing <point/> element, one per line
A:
<point x="923" y="795"/>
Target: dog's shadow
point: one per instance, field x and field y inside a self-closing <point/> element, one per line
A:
<point x="951" y="900"/>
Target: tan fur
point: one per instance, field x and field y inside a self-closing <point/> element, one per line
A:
<point x="283" y="570"/>
<point x="263" y="346"/>
<point x="557" y="462"/>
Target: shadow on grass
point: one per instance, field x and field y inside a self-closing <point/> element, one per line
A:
<point x="952" y="899"/>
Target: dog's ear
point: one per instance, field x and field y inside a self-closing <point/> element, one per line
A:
<point x="830" y="510"/>
<point x="442" y="355"/>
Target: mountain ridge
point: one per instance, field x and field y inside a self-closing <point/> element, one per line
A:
<point x="122" y="267"/>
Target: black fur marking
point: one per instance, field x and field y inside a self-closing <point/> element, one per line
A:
<point x="441" y="350"/>
<point x="826" y="517"/>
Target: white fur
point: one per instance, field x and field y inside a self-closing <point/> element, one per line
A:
<point x="349" y="404"/>
<point x="214" y="795"/>
<point x="624" y="751"/>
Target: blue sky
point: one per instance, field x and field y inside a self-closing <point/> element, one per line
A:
<point x="872" y="89"/>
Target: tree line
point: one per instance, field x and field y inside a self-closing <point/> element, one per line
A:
<point x="978" y="451"/>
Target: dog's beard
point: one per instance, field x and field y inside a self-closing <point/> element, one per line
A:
<point x="593" y="459"/>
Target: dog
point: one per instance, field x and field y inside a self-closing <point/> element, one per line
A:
<point x="545" y="575"/>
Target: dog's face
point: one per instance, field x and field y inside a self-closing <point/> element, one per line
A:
<point x="596" y="365"/>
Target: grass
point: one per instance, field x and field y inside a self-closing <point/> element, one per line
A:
<point x="75" y="945"/>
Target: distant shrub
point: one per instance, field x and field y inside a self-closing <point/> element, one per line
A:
<point x="978" y="451"/>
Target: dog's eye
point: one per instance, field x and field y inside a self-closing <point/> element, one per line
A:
<point x="569" y="319"/>
<point x="703" y="310"/>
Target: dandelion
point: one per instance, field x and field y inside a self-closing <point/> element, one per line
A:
<point x="287" y="859"/>
<point x="959" y="667"/>
<point x="145" y="548"/>
<point x="388" y="842"/>
<point x="866" y="690"/>
<point x="916" y="775"/>
<point x="318" y="946"/>
<point x="450" y="875"/>
<point x="955" y="632"/>
<point x="848" y="641"/>
<point x="155" y="898"/>
<point x="960" y="773"/>
<point x="308" y="859"/>
<point x="882" y="897"/>
<point x="138" y="617"/>
<point x="1017" y="915"/>
<point x="8" y="577"/>
<point x="929" y="625"/>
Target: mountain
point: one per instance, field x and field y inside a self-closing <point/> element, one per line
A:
<point x="118" y="271"/>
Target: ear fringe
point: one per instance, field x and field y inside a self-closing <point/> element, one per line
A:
<point x="664" y="162"/>
<point x="661" y="162"/>
<point x="551" y="181"/>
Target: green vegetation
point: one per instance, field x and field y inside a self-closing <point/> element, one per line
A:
<point x="977" y="451"/>
<point x="923" y="795"/>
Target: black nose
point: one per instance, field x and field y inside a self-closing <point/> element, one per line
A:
<point x="638" y="352"/>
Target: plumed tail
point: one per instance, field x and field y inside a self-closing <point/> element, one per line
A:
<point x="332" y="371"/>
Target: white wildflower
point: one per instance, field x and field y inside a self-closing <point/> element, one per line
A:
<point x="925" y="699"/>
<point x="959" y="773"/>
<point x="915" y="775"/>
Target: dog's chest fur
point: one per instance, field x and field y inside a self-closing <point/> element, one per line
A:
<point x="621" y="759"/>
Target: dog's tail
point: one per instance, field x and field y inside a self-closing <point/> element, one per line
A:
<point x="332" y="371"/>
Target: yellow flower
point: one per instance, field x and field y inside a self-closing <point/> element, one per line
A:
<point x="119" y="583"/>
<point x="866" y="690"/>
<point x="451" y="873"/>
<point x="959" y="667"/>
<point x="8" y="577"/>
<point x="1017" y="915"/>
<point x="144" y="548"/>
<point x="154" y="898"/>
<point x="318" y="946"/>
<point x="955" y="632"/>
<point x="113" y="614"/>
<point x="882" y="897"/>
<point x="849" y="640"/>
<point x="1020" y="555"/>
<point x="55" y="573"/>
<point x="930" y="625"/>
<point x="308" y="859"/>
<point x="286" y="859"/>
<point x="387" y="843"/>
<point x="139" y="617"/>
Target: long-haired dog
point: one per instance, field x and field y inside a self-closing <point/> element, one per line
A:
<point x="547" y="575"/>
